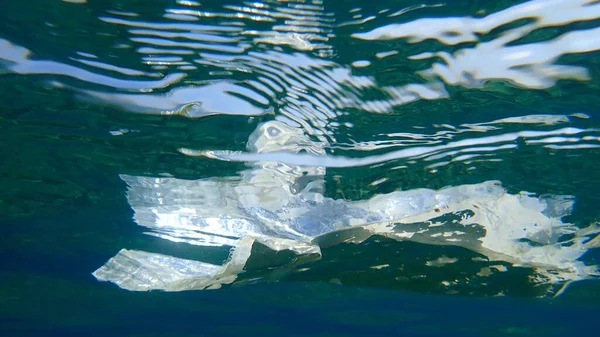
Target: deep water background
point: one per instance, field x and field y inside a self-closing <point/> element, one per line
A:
<point x="63" y="210"/>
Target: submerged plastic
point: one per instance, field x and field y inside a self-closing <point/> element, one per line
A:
<point x="279" y="223"/>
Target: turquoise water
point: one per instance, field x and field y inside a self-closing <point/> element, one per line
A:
<point x="433" y="166"/>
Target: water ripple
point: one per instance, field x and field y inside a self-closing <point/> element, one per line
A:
<point x="289" y="60"/>
<point x="528" y="65"/>
<point x="280" y="57"/>
<point x="435" y="150"/>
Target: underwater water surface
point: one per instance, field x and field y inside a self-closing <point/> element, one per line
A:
<point x="299" y="168"/>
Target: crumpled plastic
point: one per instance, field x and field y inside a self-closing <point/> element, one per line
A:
<point x="278" y="223"/>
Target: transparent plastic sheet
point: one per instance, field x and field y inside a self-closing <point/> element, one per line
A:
<point x="278" y="223"/>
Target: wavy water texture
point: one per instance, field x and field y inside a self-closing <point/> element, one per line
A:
<point x="530" y="65"/>
<point x="438" y="149"/>
<point x="279" y="57"/>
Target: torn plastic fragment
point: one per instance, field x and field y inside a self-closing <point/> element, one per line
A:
<point x="278" y="230"/>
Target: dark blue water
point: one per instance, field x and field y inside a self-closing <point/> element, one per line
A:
<point x="374" y="98"/>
